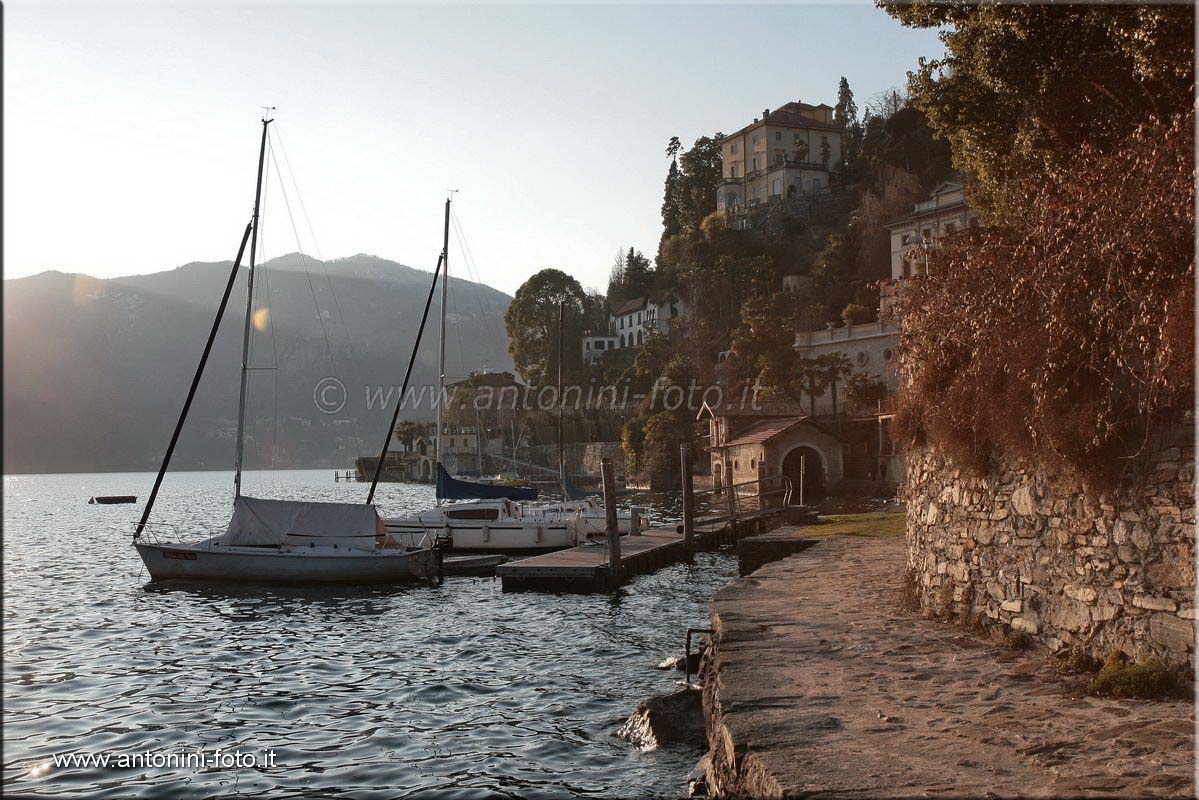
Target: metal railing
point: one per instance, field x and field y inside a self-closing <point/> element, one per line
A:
<point x="728" y="501"/>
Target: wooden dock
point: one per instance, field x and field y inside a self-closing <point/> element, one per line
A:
<point x="585" y="568"/>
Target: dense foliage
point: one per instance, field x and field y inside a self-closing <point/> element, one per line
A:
<point x="532" y="324"/>
<point x="1023" y="86"/>
<point x="1066" y="336"/>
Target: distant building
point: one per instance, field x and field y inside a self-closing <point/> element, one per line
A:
<point x="944" y="212"/>
<point x="790" y="150"/>
<point x="871" y="347"/>
<point x="631" y="321"/>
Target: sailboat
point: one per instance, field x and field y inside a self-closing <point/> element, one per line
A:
<point x="278" y="540"/>
<point x="496" y="518"/>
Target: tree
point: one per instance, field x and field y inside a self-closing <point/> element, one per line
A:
<point x="1023" y="86"/>
<point x="532" y="325"/>
<point x="696" y="181"/>
<point x="406" y="433"/>
<point x="671" y="213"/>
<point x="846" y="111"/>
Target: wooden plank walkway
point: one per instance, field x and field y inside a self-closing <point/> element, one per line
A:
<point x="585" y="568"/>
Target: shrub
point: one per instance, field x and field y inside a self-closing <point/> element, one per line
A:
<point x="1068" y="337"/>
<point x="1145" y="680"/>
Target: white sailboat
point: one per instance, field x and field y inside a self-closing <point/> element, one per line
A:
<point x="279" y="540"/>
<point x="495" y="518"/>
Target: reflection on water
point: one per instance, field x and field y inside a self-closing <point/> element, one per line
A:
<point x="458" y="690"/>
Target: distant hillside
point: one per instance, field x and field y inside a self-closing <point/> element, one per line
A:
<point x="95" y="371"/>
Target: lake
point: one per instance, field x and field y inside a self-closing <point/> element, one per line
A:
<point x="458" y="690"/>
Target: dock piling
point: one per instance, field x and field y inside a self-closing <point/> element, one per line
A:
<point x="688" y="497"/>
<point x="614" y="565"/>
<point x="731" y="485"/>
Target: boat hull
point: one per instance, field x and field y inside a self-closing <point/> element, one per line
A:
<point x="507" y="539"/>
<point x="236" y="565"/>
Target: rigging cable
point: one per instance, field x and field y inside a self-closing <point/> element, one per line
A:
<point x="484" y="305"/>
<point x="315" y="245"/>
<point x="307" y="274"/>
<point x="270" y="316"/>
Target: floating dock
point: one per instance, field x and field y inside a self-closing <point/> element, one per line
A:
<point x="585" y="568"/>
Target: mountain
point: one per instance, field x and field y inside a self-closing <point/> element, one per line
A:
<point x="95" y="371"/>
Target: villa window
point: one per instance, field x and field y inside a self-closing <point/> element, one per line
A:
<point x="778" y="136"/>
<point x="733" y="148"/>
<point x="907" y="239"/>
<point x="733" y="171"/>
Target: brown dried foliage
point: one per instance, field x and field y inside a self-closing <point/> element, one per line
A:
<point x="1066" y="338"/>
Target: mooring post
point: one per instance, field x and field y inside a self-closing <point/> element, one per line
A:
<point x="614" y="565"/>
<point x="730" y="485"/>
<point x="688" y="498"/>
<point x="763" y="495"/>
<point x="634" y="521"/>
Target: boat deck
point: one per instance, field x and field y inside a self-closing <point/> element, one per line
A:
<point x="585" y="568"/>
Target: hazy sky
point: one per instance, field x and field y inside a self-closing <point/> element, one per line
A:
<point x="131" y="131"/>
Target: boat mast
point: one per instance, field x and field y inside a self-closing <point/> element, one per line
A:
<point x="395" y="416"/>
<point x="561" y="399"/>
<point x="245" y="342"/>
<point x="191" y="392"/>
<point x="445" y="284"/>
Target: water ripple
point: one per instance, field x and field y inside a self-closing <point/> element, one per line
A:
<point x="457" y="691"/>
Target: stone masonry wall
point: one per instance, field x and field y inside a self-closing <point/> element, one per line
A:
<point x="1102" y="574"/>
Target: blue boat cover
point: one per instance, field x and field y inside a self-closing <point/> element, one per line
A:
<point x="451" y="488"/>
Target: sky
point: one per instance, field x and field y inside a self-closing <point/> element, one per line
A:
<point x="131" y="132"/>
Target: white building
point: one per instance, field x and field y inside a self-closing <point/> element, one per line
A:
<point x="943" y="213"/>
<point x="631" y="321"/>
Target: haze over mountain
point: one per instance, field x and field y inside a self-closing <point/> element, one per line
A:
<point x="96" y="371"/>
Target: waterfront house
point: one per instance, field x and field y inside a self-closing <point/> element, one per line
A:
<point x="746" y="439"/>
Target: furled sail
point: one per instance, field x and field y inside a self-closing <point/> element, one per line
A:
<point x="258" y="522"/>
<point x="451" y="488"/>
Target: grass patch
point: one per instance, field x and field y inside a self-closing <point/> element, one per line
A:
<point x="1145" y="680"/>
<point x="869" y="524"/>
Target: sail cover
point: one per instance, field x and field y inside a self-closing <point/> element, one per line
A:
<point x="569" y="490"/>
<point x="271" y="522"/>
<point x="450" y="488"/>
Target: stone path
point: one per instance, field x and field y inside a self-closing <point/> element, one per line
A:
<point x="821" y="684"/>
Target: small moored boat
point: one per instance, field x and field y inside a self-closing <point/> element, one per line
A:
<point x="280" y="540"/>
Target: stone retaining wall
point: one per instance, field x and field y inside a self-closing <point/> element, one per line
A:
<point x="1114" y="572"/>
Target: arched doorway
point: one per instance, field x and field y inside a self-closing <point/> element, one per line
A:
<point x="813" y="473"/>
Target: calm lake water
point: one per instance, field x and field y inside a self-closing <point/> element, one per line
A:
<point x="459" y="690"/>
